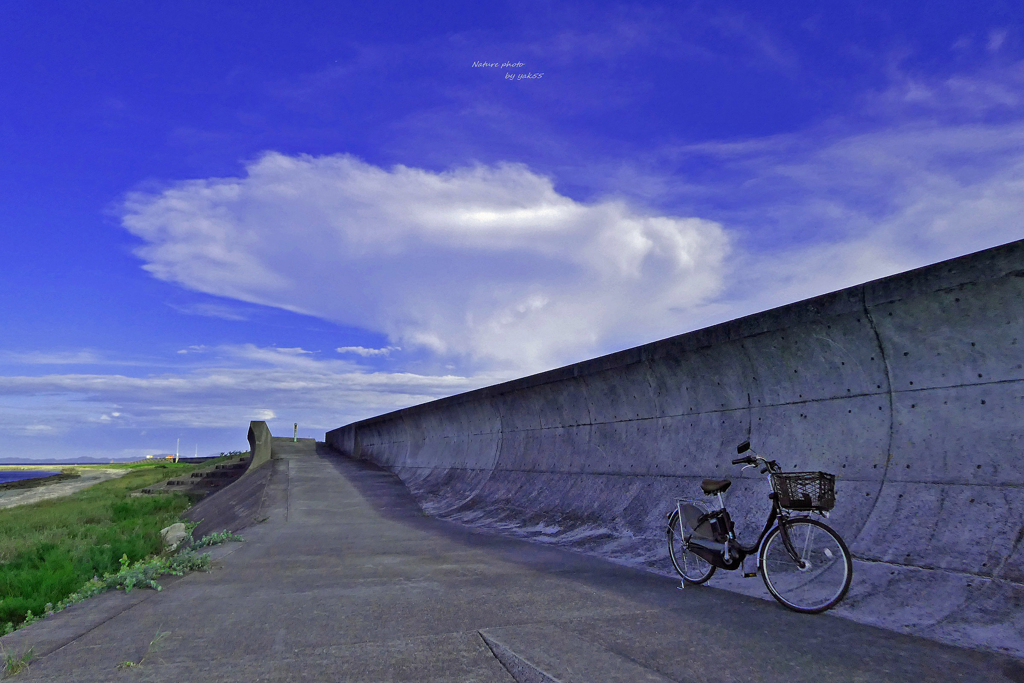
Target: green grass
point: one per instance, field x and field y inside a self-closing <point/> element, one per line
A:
<point x="50" y="549"/>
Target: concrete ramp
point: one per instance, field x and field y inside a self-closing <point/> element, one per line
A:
<point x="245" y="501"/>
<point x="347" y="580"/>
<point x="910" y="389"/>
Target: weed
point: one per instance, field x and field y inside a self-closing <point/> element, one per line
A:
<point x="153" y="646"/>
<point x="14" y="664"/>
<point x="216" y="538"/>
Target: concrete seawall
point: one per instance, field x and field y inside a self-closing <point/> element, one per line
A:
<point x="909" y="388"/>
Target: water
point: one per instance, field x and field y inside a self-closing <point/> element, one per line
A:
<point x="17" y="475"/>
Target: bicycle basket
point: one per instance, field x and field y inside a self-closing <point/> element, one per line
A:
<point x="805" y="490"/>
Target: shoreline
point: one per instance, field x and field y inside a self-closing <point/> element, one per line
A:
<point x="36" y="482"/>
<point x="48" y="489"/>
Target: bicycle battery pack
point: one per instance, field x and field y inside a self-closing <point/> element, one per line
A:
<point x="714" y="525"/>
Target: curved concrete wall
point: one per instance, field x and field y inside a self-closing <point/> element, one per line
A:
<point x="909" y="388"/>
<point x="260" y="445"/>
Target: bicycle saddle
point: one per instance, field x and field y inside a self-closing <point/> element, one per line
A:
<point x="713" y="486"/>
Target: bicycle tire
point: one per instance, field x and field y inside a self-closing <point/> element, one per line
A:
<point x="824" y="578"/>
<point x="693" y="569"/>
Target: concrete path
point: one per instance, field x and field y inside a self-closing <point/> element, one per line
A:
<point x="347" y="581"/>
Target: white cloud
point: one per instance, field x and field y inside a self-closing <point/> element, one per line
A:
<point x="194" y="348"/>
<point x="366" y="352"/>
<point x="996" y="38"/>
<point x="82" y="357"/>
<point x="487" y="264"/>
<point x="211" y="311"/>
<point x="39" y="429"/>
<point x="822" y="210"/>
<point x="288" y="384"/>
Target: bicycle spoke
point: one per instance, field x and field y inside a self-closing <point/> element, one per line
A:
<point x="693" y="569"/>
<point x="821" y="575"/>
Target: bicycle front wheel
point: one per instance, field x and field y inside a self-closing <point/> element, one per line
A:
<point x="818" y="578"/>
<point x="695" y="570"/>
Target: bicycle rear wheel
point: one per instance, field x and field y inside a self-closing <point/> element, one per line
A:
<point x="819" y="579"/>
<point x="694" y="570"/>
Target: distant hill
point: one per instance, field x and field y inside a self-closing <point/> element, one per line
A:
<point x="68" y="461"/>
<point x="100" y="461"/>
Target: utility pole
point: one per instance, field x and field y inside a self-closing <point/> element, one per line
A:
<point x="295" y="434"/>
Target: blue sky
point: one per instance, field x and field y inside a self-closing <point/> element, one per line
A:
<point x="318" y="212"/>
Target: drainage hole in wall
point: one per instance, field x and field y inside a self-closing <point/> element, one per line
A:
<point x="982" y="401"/>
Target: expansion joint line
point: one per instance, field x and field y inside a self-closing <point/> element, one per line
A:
<point x="955" y="572"/>
<point x="892" y="420"/>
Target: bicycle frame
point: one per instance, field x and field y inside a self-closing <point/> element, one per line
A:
<point x="733" y="547"/>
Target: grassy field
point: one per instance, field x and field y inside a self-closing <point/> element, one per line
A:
<point x="49" y="549"/>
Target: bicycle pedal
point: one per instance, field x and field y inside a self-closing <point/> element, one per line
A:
<point x="750" y="576"/>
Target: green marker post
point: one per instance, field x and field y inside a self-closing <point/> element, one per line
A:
<point x="295" y="434"/>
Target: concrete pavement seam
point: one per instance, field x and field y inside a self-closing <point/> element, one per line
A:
<point x="517" y="667"/>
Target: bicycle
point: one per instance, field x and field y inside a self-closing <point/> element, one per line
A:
<point x="804" y="563"/>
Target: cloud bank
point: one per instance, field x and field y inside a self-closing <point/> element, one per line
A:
<point x="489" y="267"/>
<point x="236" y="383"/>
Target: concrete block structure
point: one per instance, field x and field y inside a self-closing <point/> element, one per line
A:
<point x="909" y="388"/>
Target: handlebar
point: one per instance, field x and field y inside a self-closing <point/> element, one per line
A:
<point x="749" y="460"/>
